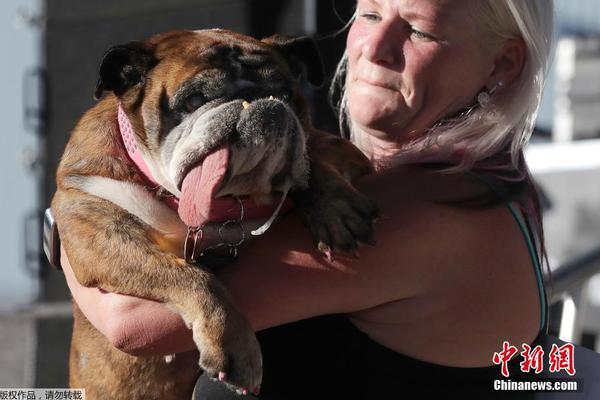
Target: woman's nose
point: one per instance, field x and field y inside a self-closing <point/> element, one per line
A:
<point x="381" y="46"/>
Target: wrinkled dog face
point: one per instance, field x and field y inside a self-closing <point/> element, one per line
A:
<point x="189" y="93"/>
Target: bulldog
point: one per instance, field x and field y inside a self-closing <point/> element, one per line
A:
<point x="194" y="127"/>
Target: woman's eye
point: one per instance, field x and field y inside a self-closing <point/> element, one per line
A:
<point x="194" y="102"/>
<point x="370" y="16"/>
<point x="421" y="35"/>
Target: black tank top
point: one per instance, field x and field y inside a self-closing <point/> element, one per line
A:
<point x="329" y="358"/>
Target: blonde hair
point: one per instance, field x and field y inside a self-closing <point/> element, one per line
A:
<point x="505" y="125"/>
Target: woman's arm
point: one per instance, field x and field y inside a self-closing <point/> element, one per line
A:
<point x="280" y="277"/>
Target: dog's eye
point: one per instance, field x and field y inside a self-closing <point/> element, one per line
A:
<point x="287" y="95"/>
<point x="194" y="102"/>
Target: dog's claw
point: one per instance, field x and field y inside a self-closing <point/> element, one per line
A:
<point x="325" y="249"/>
<point x="169" y="358"/>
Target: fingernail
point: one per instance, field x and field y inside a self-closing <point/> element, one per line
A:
<point x="245" y="392"/>
<point x="222" y="376"/>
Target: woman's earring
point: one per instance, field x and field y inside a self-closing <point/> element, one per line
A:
<point x="484" y="97"/>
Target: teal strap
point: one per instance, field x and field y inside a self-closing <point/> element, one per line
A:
<point x="535" y="257"/>
<point x="536" y="262"/>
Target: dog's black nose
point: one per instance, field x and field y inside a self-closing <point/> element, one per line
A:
<point x="264" y="117"/>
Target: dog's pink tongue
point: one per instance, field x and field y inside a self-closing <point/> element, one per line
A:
<point x="200" y="186"/>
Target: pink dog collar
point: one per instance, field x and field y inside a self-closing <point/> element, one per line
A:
<point x="131" y="146"/>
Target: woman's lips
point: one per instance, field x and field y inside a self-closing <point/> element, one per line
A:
<point x="378" y="83"/>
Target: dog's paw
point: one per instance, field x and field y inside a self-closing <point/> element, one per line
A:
<point x="339" y="217"/>
<point x="230" y="352"/>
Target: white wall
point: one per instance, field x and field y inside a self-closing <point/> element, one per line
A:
<point x="18" y="192"/>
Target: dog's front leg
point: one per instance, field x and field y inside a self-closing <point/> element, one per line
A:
<point x="110" y="248"/>
<point x="338" y="215"/>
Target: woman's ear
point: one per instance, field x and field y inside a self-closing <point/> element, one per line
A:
<point x="508" y="63"/>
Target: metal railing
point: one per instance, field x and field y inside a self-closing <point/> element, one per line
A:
<point x="573" y="274"/>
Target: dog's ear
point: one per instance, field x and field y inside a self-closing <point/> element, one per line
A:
<point x="302" y="55"/>
<point x="123" y="67"/>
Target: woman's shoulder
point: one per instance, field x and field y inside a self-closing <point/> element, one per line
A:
<point x="432" y="200"/>
<point x="424" y="223"/>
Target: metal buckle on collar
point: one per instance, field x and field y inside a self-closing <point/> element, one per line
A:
<point x="196" y="234"/>
<point x="191" y="245"/>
